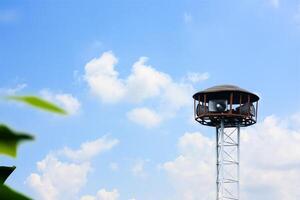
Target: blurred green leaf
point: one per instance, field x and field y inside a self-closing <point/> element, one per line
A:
<point x="5" y="172"/>
<point x="10" y="139"/>
<point x="7" y="193"/>
<point x="38" y="103"/>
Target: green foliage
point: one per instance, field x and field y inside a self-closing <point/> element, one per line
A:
<point x="38" y="103"/>
<point x="10" y="139"/>
<point x="5" y="172"/>
<point x="7" y="193"/>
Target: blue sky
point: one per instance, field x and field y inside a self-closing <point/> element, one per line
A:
<point x="49" y="48"/>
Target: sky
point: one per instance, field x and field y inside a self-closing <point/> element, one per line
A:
<point x="126" y="72"/>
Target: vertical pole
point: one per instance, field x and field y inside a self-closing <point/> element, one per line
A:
<point x="217" y="163"/>
<point x="238" y="161"/>
<point x="222" y="158"/>
<point x="228" y="159"/>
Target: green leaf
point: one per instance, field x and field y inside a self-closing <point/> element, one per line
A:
<point x="5" y="172"/>
<point x="38" y="103"/>
<point x="7" y="193"/>
<point x="10" y="139"/>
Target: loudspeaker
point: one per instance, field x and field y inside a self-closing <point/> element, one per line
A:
<point x="218" y="105"/>
<point x="247" y="108"/>
<point x="201" y="109"/>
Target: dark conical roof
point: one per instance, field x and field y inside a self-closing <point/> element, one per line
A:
<point x="223" y="91"/>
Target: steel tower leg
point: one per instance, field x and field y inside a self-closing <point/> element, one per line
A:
<point x="228" y="159"/>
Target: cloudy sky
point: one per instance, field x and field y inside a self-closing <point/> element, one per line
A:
<point x="126" y="72"/>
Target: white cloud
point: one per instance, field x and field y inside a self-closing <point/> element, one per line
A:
<point x="102" y="78"/>
<point x="58" y="179"/>
<point x="143" y="83"/>
<point x="192" y="171"/>
<point x="144" y="117"/>
<point x="103" y="194"/>
<point x="70" y="103"/>
<point x="175" y="97"/>
<point x="278" y="165"/>
<point x="138" y="169"/>
<point x="270" y="163"/>
<point x="13" y="90"/>
<point x="197" y="77"/>
<point x="108" y="195"/>
<point x="88" y="197"/>
<point x="90" y="149"/>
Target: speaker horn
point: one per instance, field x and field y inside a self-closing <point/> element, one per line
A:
<point x="218" y="105"/>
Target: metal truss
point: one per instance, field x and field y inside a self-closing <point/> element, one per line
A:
<point x="228" y="158"/>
